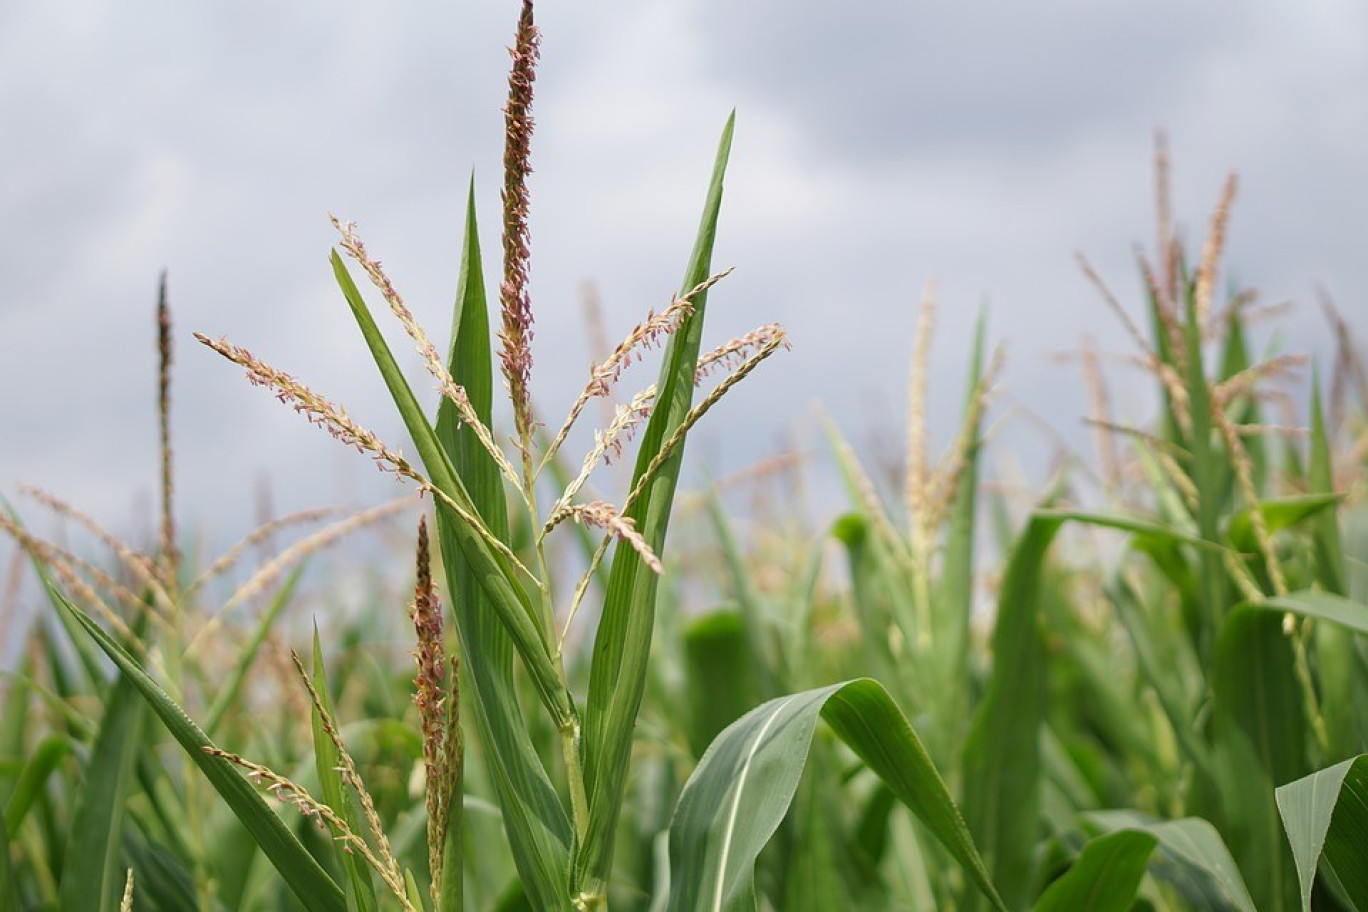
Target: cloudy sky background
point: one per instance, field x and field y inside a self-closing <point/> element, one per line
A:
<point x="878" y="145"/>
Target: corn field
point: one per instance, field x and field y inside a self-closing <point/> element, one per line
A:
<point x="1143" y="687"/>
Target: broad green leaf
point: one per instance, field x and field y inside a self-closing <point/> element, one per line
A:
<point x="1105" y="877"/>
<point x="812" y="865"/>
<point x="309" y="882"/>
<point x="327" y="764"/>
<point x="1260" y="732"/>
<point x="93" y="875"/>
<point x="743" y="785"/>
<point x="1326" y="815"/>
<point x="622" y="643"/>
<point x="1002" y="754"/>
<point x="538" y="829"/>
<point x="1191" y="857"/>
<point x="1261" y="727"/>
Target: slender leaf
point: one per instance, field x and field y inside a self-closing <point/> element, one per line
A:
<point x="92" y="875"/>
<point x="1002" y="753"/>
<point x="622" y="643"/>
<point x="33" y="778"/>
<point x="493" y="571"/>
<point x="309" y="882"/>
<point x="743" y="785"/>
<point x="538" y="829"/>
<point x="1325" y="533"/>
<point x="327" y="764"/>
<point x="1106" y="876"/>
<point x="954" y="607"/>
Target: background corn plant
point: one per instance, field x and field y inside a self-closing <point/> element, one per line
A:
<point x="1175" y="723"/>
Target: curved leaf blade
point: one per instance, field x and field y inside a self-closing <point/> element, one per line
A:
<point x="1105" y="877"/>
<point x="310" y="883"/>
<point x="1191" y="856"/>
<point x="743" y="785"/>
<point x="622" y="643"/>
<point x="92" y="877"/>
<point x="538" y="829"/>
<point x="1326" y="817"/>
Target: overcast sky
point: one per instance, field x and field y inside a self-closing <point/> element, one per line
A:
<point x="878" y="145"/>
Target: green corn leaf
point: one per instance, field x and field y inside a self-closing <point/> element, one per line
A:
<point x="93" y="872"/>
<point x="1262" y="730"/>
<point x="493" y="571"/>
<point x="1325" y="532"/>
<point x="163" y="880"/>
<point x="1105" y="877"/>
<point x="954" y="607"/>
<point x="1191" y="857"/>
<point x="309" y="882"/>
<point x="719" y="675"/>
<point x="538" y="829"/>
<point x="1210" y="475"/>
<point x="9" y="890"/>
<point x="622" y="643"/>
<point x="741" y="789"/>
<point x="1326" y="817"/>
<point x="1002" y="753"/>
<point x="336" y="795"/>
<point x="33" y="778"/>
<point x="1280" y="514"/>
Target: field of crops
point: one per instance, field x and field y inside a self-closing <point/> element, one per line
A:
<point x="1142" y="687"/>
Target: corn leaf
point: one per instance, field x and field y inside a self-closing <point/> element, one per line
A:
<point x="1191" y="857"/>
<point x="1105" y="877"/>
<point x="327" y="763"/>
<point x="1326" y="817"/>
<point x="493" y="571"/>
<point x="310" y="883"/>
<point x="1325" y="533"/>
<point x="1002" y="753"/>
<point x="743" y="785"/>
<point x="622" y="643"/>
<point x="32" y="780"/>
<point x="535" y="821"/>
<point x="9" y="890"/>
<point x="93" y="875"/>
<point x="1278" y="515"/>
<point x="1262" y="730"/>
